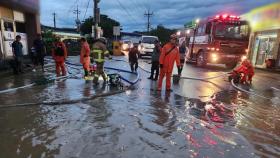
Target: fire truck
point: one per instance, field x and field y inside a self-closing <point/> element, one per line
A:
<point x="222" y="39"/>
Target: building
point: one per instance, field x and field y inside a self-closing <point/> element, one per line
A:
<point x="18" y="17"/>
<point x="133" y="37"/>
<point x="63" y="33"/>
<point x="264" y="48"/>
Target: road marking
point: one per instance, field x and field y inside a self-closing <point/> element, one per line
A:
<point x="275" y="88"/>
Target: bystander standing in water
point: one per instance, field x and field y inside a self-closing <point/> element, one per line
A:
<point x="18" y="55"/>
<point x="155" y="61"/>
<point x="133" y="56"/>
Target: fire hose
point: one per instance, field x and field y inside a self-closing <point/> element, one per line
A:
<point x="65" y="102"/>
<point x="210" y="78"/>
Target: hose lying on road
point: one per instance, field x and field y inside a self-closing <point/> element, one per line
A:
<point x="110" y="68"/>
<point x="17" y="88"/>
<point x="182" y="77"/>
<point x="246" y="91"/>
<point x="210" y="78"/>
<point x="64" y="102"/>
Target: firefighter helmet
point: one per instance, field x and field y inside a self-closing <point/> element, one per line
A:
<point x="173" y="36"/>
<point x="103" y="40"/>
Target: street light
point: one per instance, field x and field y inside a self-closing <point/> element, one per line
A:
<point x="178" y="33"/>
<point x="188" y="31"/>
<point x="197" y="21"/>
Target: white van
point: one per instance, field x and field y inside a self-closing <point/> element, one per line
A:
<point x="147" y="45"/>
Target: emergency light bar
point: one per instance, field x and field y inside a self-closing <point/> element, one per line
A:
<point x="227" y="17"/>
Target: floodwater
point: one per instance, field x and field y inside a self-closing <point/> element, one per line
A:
<point x="138" y="123"/>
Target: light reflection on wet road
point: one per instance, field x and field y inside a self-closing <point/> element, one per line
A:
<point x="199" y="119"/>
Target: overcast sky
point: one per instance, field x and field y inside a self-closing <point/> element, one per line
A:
<point x="130" y="13"/>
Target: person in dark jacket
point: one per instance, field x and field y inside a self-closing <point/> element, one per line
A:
<point x="18" y="55"/>
<point x="40" y="49"/>
<point x="155" y="61"/>
<point x="133" y="58"/>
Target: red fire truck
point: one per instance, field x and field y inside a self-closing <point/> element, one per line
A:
<point x="222" y="39"/>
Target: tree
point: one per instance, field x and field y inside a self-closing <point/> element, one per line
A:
<point x="162" y="33"/>
<point x="48" y="38"/>
<point x="106" y="24"/>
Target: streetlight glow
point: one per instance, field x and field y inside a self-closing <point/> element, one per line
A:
<point x="197" y="21"/>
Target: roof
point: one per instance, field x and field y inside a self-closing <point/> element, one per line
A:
<point x="130" y="34"/>
<point x="64" y="30"/>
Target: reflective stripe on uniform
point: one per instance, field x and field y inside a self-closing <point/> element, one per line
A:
<point x="106" y="52"/>
<point x="99" y="57"/>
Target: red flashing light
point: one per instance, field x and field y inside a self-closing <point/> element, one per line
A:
<point x="225" y="16"/>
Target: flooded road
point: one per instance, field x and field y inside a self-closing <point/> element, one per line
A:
<point x="199" y="119"/>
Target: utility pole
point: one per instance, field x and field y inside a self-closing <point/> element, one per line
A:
<point x="54" y="22"/>
<point x="96" y="13"/>
<point x="149" y="15"/>
<point x="78" y="22"/>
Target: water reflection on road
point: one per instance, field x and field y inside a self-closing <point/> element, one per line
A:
<point x="138" y="123"/>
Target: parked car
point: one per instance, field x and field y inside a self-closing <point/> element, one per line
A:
<point x="126" y="45"/>
<point x="147" y="45"/>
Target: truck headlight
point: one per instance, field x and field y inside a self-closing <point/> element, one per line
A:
<point x="244" y="57"/>
<point x="214" y="57"/>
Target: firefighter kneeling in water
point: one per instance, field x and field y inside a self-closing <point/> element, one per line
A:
<point x="243" y="74"/>
<point x="98" y="54"/>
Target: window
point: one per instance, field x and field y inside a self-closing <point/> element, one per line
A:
<point x="8" y="26"/>
<point x="201" y="29"/>
<point x="208" y="28"/>
<point x="20" y="27"/>
<point x="232" y="31"/>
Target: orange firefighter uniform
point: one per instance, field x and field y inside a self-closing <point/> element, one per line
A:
<point x="59" y="54"/>
<point x="85" y="57"/>
<point x="168" y="56"/>
<point x="247" y="71"/>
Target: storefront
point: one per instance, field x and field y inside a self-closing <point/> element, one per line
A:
<point x="18" y="18"/>
<point x="265" y="38"/>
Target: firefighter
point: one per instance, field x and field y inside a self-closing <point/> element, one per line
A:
<point x="246" y="70"/>
<point x="170" y="54"/>
<point x="99" y="53"/>
<point x="85" y="56"/>
<point x="59" y="54"/>
<point x="133" y="56"/>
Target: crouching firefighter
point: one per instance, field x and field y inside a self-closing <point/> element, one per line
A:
<point x="98" y="54"/>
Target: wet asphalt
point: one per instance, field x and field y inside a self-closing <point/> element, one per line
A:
<point x="198" y="119"/>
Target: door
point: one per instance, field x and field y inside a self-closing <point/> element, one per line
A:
<point x="20" y="30"/>
<point x="255" y="51"/>
<point x="1" y="46"/>
<point x="267" y="49"/>
<point x="8" y="37"/>
<point x="261" y="51"/>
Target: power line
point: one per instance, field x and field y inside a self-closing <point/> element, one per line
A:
<point x="86" y="10"/>
<point x="77" y="12"/>
<point x="72" y="6"/>
<point x="127" y="12"/>
<point x="149" y="15"/>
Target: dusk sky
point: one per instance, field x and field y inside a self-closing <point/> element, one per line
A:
<point x="130" y="13"/>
